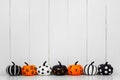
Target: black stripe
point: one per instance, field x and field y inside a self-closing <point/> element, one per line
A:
<point x="92" y="70"/>
<point x="9" y="70"/>
<point x="12" y="70"/>
<point x="84" y="69"/>
<point x="17" y="70"/>
<point x="88" y="69"/>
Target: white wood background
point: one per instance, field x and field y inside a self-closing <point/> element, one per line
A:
<point x="59" y="25"/>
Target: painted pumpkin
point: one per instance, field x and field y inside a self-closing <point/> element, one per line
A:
<point x="13" y="70"/>
<point x="105" y="69"/>
<point x="44" y="70"/>
<point x="90" y="69"/>
<point x="29" y="70"/>
<point x="59" y="69"/>
<point x="75" y="69"/>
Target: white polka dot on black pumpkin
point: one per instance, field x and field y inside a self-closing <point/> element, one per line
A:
<point x="106" y="67"/>
<point x="106" y="72"/>
<point x="99" y="66"/>
<point x="109" y="69"/>
<point x="100" y="70"/>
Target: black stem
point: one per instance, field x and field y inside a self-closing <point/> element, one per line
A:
<point x="91" y="63"/>
<point x="59" y="63"/>
<point x="13" y="63"/>
<point x="44" y="63"/>
<point x="106" y="63"/>
<point x="26" y="63"/>
<point x="76" y="62"/>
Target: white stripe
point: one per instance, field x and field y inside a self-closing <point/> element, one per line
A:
<point x="10" y="70"/>
<point x="86" y="70"/>
<point x="18" y="70"/>
<point x="90" y="70"/>
<point x="94" y="71"/>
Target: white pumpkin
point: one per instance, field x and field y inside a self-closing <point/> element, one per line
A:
<point x="90" y="69"/>
<point x="44" y="70"/>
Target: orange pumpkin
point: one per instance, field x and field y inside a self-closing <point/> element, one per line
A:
<point x="29" y="70"/>
<point x="75" y="69"/>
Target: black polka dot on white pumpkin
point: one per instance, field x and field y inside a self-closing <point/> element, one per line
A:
<point x="42" y="69"/>
<point x="38" y="71"/>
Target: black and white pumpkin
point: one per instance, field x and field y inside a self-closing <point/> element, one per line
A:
<point x="44" y="70"/>
<point x="105" y="69"/>
<point x="13" y="70"/>
<point x="90" y="69"/>
<point x="59" y="69"/>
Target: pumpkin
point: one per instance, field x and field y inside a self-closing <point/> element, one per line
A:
<point x="29" y="70"/>
<point x="44" y="70"/>
<point x="90" y="69"/>
<point x="105" y="69"/>
<point x="75" y="69"/>
<point x="59" y="69"/>
<point x="13" y="70"/>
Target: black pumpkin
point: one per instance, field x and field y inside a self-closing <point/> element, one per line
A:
<point x="13" y="70"/>
<point x="105" y="69"/>
<point x="59" y="69"/>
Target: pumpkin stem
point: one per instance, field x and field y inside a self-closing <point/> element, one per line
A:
<point x="91" y="63"/>
<point x="44" y="63"/>
<point x="76" y="62"/>
<point x="26" y="63"/>
<point x="13" y="63"/>
<point x="106" y="63"/>
<point x="59" y="63"/>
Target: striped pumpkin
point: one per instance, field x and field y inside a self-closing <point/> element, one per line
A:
<point x="13" y="70"/>
<point x="90" y="69"/>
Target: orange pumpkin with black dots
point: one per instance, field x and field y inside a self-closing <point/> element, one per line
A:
<point x="29" y="70"/>
<point x="75" y="69"/>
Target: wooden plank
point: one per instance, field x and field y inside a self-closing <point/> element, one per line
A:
<point x="58" y="31"/>
<point x="4" y="35"/>
<point x="96" y="31"/>
<point x="76" y="32"/>
<point x="114" y="34"/>
<point x="39" y="31"/>
<point x="19" y="31"/>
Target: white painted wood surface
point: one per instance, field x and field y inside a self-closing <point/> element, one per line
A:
<point x="67" y="26"/>
<point x="115" y="77"/>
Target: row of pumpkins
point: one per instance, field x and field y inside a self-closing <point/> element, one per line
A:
<point x="74" y="69"/>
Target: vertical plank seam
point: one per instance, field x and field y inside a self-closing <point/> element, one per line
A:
<point x="106" y="30"/>
<point x="86" y="31"/>
<point x="10" y="55"/>
<point x="68" y="25"/>
<point x="49" y="31"/>
<point x="29" y="33"/>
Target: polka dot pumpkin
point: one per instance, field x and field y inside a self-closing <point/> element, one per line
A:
<point x="44" y="70"/>
<point x="29" y="70"/>
<point x="105" y="69"/>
